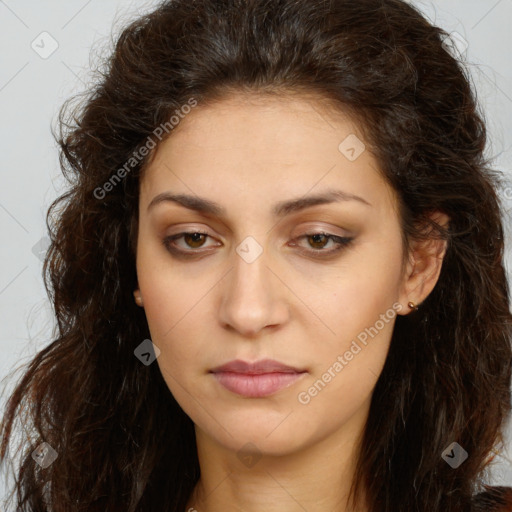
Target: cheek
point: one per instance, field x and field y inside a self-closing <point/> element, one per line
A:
<point x="174" y="305"/>
<point x="174" y="321"/>
<point x="170" y="293"/>
<point x="354" y="293"/>
<point x="357" y="320"/>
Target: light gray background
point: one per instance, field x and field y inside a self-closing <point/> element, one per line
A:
<point x="32" y="89"/>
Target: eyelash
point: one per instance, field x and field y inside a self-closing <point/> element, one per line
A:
<point x="342" y="242"/>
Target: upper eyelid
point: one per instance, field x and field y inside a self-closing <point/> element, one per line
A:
<point x="311" y="227"/>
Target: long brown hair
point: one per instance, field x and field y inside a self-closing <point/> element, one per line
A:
<point x="123" y="442"/>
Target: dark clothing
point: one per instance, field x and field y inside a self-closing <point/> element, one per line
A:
<point x="494" y="499"/>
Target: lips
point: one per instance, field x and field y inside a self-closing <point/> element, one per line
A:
<point x="256" y="368"/>
<point x="256" y="380"/>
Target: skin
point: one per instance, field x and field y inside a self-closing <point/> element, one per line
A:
<point x="289" y="304"/>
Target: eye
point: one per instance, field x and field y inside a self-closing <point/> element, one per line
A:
<point x="196" y="239"/>
<point x="192" y="239"/>
<point x="321" y="239"/>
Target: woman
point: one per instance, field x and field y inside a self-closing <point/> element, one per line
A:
<point x="278" y="274"/>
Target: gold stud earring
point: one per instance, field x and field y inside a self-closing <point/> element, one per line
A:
<point x="412" y="305"/>
<point x="138" y="298"/>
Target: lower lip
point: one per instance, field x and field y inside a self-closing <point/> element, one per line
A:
<point x="256" y="386"/>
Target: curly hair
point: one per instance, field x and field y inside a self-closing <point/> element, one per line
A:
<point x="123" y="442"/>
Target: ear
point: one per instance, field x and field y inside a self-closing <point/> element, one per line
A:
<point x="423" y="266"/>
<point x="138" y="298"/>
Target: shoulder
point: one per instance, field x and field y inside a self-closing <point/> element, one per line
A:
<point x="493" y="499"/>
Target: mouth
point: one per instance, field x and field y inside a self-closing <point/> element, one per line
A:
<point x="256" y="380"/>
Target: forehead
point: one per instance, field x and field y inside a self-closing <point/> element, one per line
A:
<point x="250" y="117"/>
<point x="268" y="144"/>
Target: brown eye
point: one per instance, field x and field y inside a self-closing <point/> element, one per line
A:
<point x="318" y="240"/>
<point x="194" y="240"/>
<point x="191" y="239"/>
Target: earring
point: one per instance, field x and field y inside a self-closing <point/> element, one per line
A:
<point x="412" y="305"/>
<point x="138" y="298"/>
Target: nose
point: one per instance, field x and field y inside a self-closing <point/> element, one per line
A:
<point x="253" y="296"/>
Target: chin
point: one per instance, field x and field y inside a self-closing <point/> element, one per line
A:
<point x="269" y="435"/>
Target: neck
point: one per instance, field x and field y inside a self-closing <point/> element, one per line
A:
<point x="315" y="478"/>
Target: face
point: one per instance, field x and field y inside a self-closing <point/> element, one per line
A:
<point x="269" y="272"/>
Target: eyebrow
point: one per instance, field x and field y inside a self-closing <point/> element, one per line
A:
<point x="205" y="206"/>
